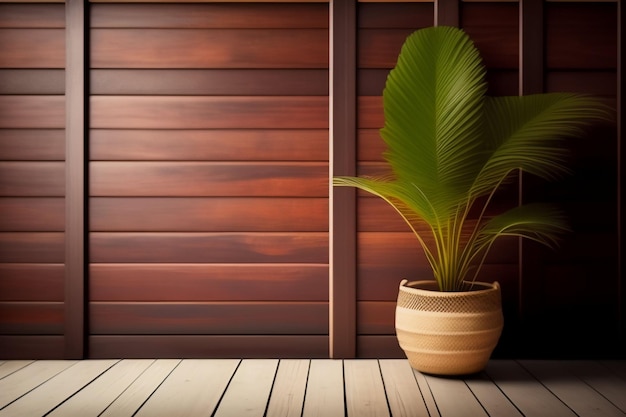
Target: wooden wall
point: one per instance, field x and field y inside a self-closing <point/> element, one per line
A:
<point x="207" y="227"/>
<point x="32" y="180"/>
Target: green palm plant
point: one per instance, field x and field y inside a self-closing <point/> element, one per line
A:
<point x="450" y="147"/>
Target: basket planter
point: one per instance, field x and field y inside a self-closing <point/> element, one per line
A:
<point x="448" y="333"/>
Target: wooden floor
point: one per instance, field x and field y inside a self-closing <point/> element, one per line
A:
<point x="326" y="388"/>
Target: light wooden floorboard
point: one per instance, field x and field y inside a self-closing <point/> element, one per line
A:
<point x="403" y="394"/>
<point x="54" y="391"/>
<point x="365" y="392"/>
<point x="287" y="396"/>
<point x="249" y="390"/>
<point x="305" y="388"/>
<point x="324" y="391"/>
<point x="194" y="388"/>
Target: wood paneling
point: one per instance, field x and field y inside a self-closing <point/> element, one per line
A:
<point x="32" y="112"/>
<point x="215" y="16"/>
<point x="247" y="82"/>
<point x="209" y="145"/>
<point x="32" y="247"/>
<point x="214" y="48"/>
<point x="238" y="214"/>
<point x="32" y="346"/>
<point x="32" y="16"/>
<point x="209" y="247"/>
<point x="32" y="48"/>
<point x="183" y="179"/>
<point x="208" y="282"/>
<point x="32" y="81"/>
<point x="208" y="346"/>
<point x="32" y="179"/>
<point x="31" y="318"/>
<point x="31" y="282"/>
<point x="32" y="144"/>
<point x="223" y="318"/>
<point x="209" y="112"/>
<point x="34" y="214"/>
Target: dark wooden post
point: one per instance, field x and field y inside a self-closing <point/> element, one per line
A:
<point x="342" y="291"/>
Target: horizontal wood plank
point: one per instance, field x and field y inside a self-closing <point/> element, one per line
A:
<point x="209" y="247"/>
<point x="379" y="15"/>
<point x="32" y="48"/>
<point x="217" y="82"/>
<point x="209" y="145"/>
<point x="32" y="112"/>
<point x="237" y="214"/>
<point x="379" y="48"/>
<point x="32" y="282"/>
<point x="32" y="214"/>
<point x="32" y="179"/>
<point x="32" y="81"/>
<point x="222" y="318"/>
<point x="379" y="346"/>
<point x="376" y="317"/>
<point x="174" y="112"/>
<point x="370" y="112"/>
<point x="581" y="36"/>
<point x="26" y="318"/>
<point x="32" y="247"/>
<point x="32" y="144"/>
<point x="207" y="282"/>
<point x="494" y="28"/>
<point x="185" y="179"/>
<point x="220" y="48"/>
<point x="17" y="15"/>
<point x="201" y="346"/>
<point x="32" y="347"/>
<point x="215" y="16"/>
<point x="599" y="83"/>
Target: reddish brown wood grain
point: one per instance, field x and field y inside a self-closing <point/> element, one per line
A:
<point x="32" y="179"/>
<point x="581" y="36"/>
<point x="32" y="81"/>
<point x="209" y="145"/>
<point x="32" y="15"/>
<point x="32" y="247"/>
<point x="32" y="144"/>
<point x="31" y="282"/>
<point x="599" y="83"/>
<point x="379" y="48"/>
<point x="32" y="48"/>
<point x="31" y="318"/>
<point x="185" y="179"/>
<point x="370" y="145"/>
<point x="209" y="247"/>
<point x="32" y="214"/>
<point x="395" y="15"/>
<point x="376" y="317"/>
<point x="494" y="28"/>
<point x="209" y="48"/>
<point x="208" y="214"/>
<point x="31" y="347"/>
<point x="242" y="82"/>
<point x="370" y="112"/>
<point x="206" y="346"/>
<point x="32" y="112"/>
<point x="216" y="15"/>
<point x="208" y="282"/>
<point x="166" y="112"/>
<point x="379" y="347"/>
<point x="223" y="318"/>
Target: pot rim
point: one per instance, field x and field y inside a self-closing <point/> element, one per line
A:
<point x="432" y="289"/>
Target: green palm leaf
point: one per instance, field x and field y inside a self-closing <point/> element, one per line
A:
<point x="449" y="144"/>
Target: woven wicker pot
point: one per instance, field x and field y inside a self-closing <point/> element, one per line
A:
<point x="448" y="333"/>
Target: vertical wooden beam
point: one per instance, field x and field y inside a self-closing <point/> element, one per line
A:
<point x="621" y="155"/>
<point x="342" y="291"/>
<point x="531" y="81"/>
<point x="447" y="13"/>
<point x="75" y="179"/>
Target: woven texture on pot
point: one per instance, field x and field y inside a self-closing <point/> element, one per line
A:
<point x="448" y="333"/>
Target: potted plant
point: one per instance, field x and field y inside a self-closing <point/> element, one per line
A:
<point x="450" y="148"/>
